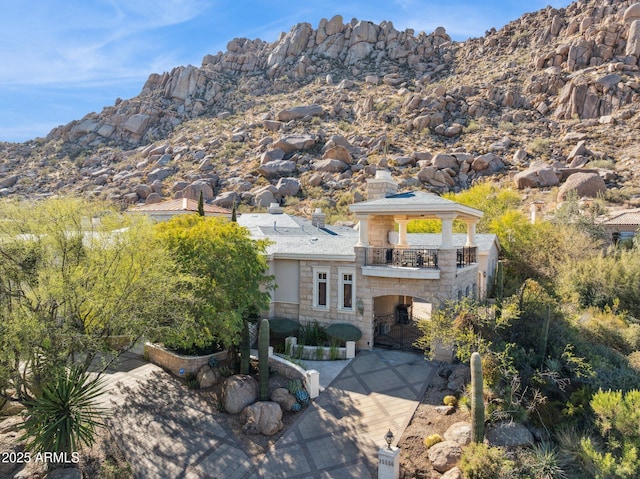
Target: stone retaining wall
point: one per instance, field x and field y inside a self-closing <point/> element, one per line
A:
<point x="176" y="363"/>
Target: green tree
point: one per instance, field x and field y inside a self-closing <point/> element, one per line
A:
<point x="227" y="271"/>
<point x="201" y="204"/>
<point x="73" y="275"/>
<point x="487" y="197"/>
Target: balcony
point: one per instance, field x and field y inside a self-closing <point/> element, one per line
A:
<point x="407" y="263"/>
<point x="402" y="258"/>
<point x="416" y="262"/>
<point x="465" y="256"/>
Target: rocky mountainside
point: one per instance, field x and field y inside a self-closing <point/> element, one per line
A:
<point x="306" y="119"/>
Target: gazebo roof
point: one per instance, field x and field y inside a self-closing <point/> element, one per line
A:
<point x="416" y="204"/>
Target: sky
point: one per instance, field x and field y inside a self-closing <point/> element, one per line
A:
<point x="62" y="60"/>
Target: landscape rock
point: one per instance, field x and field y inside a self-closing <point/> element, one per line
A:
<point x="444" y="455"/>
<point x="508" y="434"/>
<point x="284" y="398"/>
<point x="459" y="432"/>
<point x="238" y="392"/>
<point x="208" y="376"/>
<point x="262" y="417"/>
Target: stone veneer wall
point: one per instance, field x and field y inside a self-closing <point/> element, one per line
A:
<point x="174" y="363"/>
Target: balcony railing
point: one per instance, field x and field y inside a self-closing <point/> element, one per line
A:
<point x="420" y="257"/>
<point x="407" y="258"/>
<point x="466" y="256"/>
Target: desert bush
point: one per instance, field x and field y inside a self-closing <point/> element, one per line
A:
<point x="431" y="440"/>
<point x="480" y="461"/>
<point x="450" y="401"/>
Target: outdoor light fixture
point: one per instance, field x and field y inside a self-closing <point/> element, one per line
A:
<point x="389" y="438"/>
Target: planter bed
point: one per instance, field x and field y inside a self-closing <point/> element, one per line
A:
<point x="178" y="364"/>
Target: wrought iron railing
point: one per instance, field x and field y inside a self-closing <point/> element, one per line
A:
<point x="466" y="256"/>
<point x="408" y="258"/>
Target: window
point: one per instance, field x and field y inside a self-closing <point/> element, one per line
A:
<point x="347" y="290"/>
<point x="321" y="288"/>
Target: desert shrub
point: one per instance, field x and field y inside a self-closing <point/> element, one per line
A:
<point x="65" y="415"/>
<point x="450" y="401"/>
<point x="479" y="461"/>
<point x="617" y="419"/>
<point x="431" y="440"/>
<point x="344" y="332"/>
<point x="542" y="461"/>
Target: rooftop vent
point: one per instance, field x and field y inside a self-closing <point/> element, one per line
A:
<point x="275" y="209"/>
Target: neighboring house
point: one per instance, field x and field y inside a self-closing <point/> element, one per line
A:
<point x="622" y="224"/>
<point x="372" y="276"/>
<point x="167" y="209"/>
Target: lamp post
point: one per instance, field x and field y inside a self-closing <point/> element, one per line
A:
<point x="389" y="438"/>
<point x="388" y="459"/>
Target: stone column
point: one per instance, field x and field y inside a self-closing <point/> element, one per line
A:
<point x="363" y="239"/>
<point x="471" y="233"/>
<point x="389" y="463"/>
<point x="402" y="235"/>
<point x="447" y="230"/>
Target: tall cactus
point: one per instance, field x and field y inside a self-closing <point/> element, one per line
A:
<point x="499" y="288"/>
<point x="477" y="399"/>
<point x="263" y="359"/>
<point x="544" y="337"/>
<point x="245" y="350"/>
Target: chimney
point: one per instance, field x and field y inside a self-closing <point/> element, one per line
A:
<point x="318" y="218"/>
<point x="382" y="186"/>
<point x="185" y="204"/>
<point x="534" y="209"/>
<point x="275" y="209"/>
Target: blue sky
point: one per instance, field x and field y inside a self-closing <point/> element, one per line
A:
<point x="62" y="60"/>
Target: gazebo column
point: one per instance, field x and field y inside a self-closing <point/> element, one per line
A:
<point x="447" y="230"/>
<point x="363" y="229"/>
<point x="402" y="234"/>
<point x="471" y="233"/>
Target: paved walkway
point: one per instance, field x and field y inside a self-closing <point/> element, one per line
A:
<point x="167" y="433"/>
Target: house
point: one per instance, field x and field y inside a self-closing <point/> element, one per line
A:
<point x="372" y="275"/>
<point x="622" y="225"/>
<point x="165" y="210"/>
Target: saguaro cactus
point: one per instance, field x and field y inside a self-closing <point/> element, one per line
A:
<point x="245" y="349"/>
<point x="477" y="399"/>
<point x="263" y="359"/>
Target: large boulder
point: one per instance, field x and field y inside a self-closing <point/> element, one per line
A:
<point x="238" y="392"/>
<point x="330" y="166"/>
<point x="263" y="417"/>
<point x="444" y="455"/>
<point x="584" y="184"/>
<point x="459" y="432"/>
<point x="299" y="112"/>
<point x="288" y="186"/>
<point x="538" y="175"/>
<point x="508" y="434"/>
<point x="289" y="144"/>
<point x="283" y="397"/>
<point x="277" y="168"/>
<point x="338" y="152"/>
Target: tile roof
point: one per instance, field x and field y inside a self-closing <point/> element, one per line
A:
<point x="178" y="206"/>
<point x="624" y="218"/>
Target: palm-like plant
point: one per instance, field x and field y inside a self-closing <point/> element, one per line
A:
<point x="65" y="415"/>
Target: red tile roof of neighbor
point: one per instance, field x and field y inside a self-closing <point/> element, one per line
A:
<point x="180" y="205"/>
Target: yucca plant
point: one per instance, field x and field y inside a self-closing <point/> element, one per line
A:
<point x="65" y="415"/>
